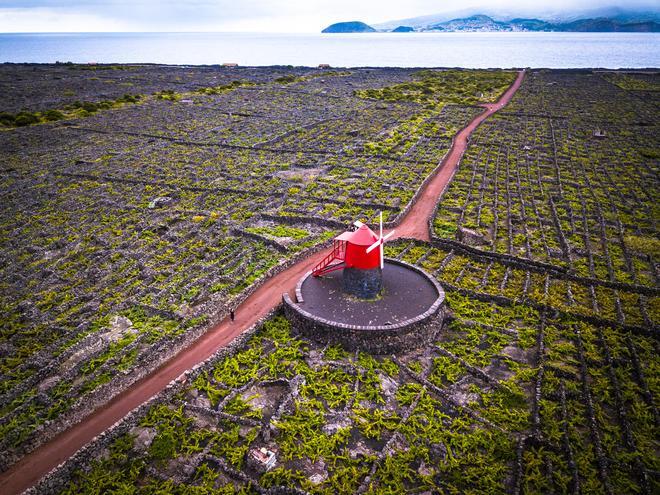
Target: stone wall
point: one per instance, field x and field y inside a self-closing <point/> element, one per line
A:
<point x="214" y="309"/>
<point x="555" y="271"/>
<point x="420" y="190"/>
<point x="57" y="479"/>
<point x="402" y="337"/>
<point x="297" y="220"/>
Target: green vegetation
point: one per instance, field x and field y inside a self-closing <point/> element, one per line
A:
<point x="306" y="430"/>
<point x="291" y="78"/>
<point x="526" y="197"/>
<point x="328" y="437"/>
<point x="634" y="82"/>
<point x="73" y="110"/>
<point x="172" y="95"/>
<point x="121" y="236"/>
<point x="524" y="287"/>
<point x="288" y="79"/>
<point x="167" y="95"/>
<point x="434" y="90"/>
<point x="439" y="87"/>
<point x="280" y="231"/>
<point x="224" y="88"/>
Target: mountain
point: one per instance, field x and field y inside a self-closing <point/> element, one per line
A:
<point x="622" y="15"/>
<point x="425" y="20"/>
<point x="529" y="24"/>
<point x="349" y="27"/>
<point x="473" y="23"/>
<point x="403" y="29"/>
<point x="603" y="19"/>
<point x="608" y="25"/>
<point x="488" y="24"/>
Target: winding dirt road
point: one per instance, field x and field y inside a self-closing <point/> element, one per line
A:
<point x="38" y="463"/>
<point x="415" y="223"/>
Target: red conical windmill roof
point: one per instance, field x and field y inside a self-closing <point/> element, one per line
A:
<point x="363" y="236"/>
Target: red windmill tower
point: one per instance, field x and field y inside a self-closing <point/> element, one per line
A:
<point x="359" y="253"/>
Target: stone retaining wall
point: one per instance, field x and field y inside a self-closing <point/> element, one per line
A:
<point x="58" y="478"/>
<point x="215" y="310"/>
<point x="259" y="238"/>
<point x="402" y="337"/>
<point x="418" y="194"/>
<point x="551" y="310"/>
<point x="537" y="266"/>
<point x="297" y="220"/>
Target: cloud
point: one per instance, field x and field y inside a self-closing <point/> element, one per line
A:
<point x="136" y="15"/>
<point x="41" y="20"/>
<point x="247" y="15"/>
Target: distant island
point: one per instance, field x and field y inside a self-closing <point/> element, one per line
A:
<point x="349" y="27"/>
<point x="621" y="22"/>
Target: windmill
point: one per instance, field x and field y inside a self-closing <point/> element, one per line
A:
<point x="353" y="252"/>
<point x="380" y="242"/>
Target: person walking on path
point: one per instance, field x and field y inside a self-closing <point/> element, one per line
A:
<point x="231" y="314"/>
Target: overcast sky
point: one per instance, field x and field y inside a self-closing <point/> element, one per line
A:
<point x="249" y="15"/>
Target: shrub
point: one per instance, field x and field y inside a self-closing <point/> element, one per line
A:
<point x="128" y="98"/>
<point x="25" y="118"/>
<point x="52" y="115"/>
<point x="288" y="79"/>
<point x="90" y="107"/>
<point x="167" y="94"/>
<point x="650" y="153"/>
<point x="6" y="118"/>
<point x="164" y="445"/>
<point x="644" y="244"/>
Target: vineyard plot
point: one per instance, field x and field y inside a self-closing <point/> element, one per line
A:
<point x="566" y="175"/>
<point x="507" y="399"/>
<point x="139" y="203"/>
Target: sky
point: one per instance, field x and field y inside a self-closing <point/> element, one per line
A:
<point x="251" y="15"/>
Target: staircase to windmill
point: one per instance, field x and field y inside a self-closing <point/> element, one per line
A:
<point x="335" y="260"/>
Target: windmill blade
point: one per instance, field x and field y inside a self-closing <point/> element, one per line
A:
<point x="358" y="224"/>
<point x="381" y="224"/>
<point x="382" y="255"/>
<point x="374" y="246"/>
<point x="388" y="235"/>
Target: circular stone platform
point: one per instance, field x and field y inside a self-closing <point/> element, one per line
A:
<point x="404" y="317"/>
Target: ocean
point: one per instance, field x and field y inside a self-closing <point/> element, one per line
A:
<point x="470" y="50"/>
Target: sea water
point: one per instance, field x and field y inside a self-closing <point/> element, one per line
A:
<point x="472" y="50"/>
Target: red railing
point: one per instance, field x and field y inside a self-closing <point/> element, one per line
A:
<point x="338" y="253"/>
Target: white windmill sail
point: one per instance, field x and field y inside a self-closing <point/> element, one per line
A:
<point x="380" y="242"/>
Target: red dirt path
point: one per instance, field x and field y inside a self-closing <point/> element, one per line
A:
<point x="29" y="470"/>
<point x="415" y="223"/>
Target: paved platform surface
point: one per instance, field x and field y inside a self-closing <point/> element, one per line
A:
<point x="406" y="294"/>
